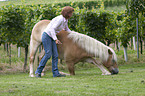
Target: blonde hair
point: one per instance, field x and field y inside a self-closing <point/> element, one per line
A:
<point x="92" y="45"/>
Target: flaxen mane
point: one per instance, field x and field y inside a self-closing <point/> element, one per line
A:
<point x="92" y="46"/>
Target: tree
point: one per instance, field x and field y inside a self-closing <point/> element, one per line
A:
<point x="12" y="22"/>
<point x="134" y="9"/>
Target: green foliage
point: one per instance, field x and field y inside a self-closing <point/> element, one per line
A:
<point x="88" y="3"/>
<point x="91" y="4"/>
<point x="16" y="26"/>
<point x="17" y="22"/>
<point x="94" y="23"/>
<point x="111" y="28"/>
<point x="135" y="7"/>
<point x="12" y="24"/>
<point x="126" y="28"/>
<point x="86" y="22"/>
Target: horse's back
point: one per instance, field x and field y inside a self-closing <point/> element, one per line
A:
<point x="38" y="29"/>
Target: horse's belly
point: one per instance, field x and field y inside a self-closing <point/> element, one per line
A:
<point x="60" y="56"/>
<point x="60" y="49"/>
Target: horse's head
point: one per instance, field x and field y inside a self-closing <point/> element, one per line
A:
<point x="111" y="64"/>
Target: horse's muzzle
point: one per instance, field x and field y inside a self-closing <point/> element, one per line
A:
<point x="115" y="71"/>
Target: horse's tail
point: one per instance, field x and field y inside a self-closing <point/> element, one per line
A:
<point x="30" y="45"/>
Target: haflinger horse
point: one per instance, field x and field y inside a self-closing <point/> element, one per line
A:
<point x="75" y="47"/>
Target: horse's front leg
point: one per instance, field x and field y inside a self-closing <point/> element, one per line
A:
<point x="40" y="57"/>
<point x="70" y="66"/>
<point x="99" y="65"/>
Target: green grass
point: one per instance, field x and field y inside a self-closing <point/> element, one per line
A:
<point x="16" y="63"/>
<point x="87" y="82"/>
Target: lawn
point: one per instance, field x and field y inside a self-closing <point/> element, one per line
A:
<point x="87" y="82"/>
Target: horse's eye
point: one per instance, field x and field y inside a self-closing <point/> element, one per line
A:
<point x="113" y="61"/>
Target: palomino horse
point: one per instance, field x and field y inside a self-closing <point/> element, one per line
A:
<point x="75" y="47"/>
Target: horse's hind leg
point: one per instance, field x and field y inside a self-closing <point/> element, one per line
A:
<point x="95" y="62"/>
<point x="33" y="48"/>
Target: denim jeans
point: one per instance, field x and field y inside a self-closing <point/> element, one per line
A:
<point x="50" y="48"/>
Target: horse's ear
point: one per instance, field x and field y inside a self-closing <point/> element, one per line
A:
<point x="110" y="52"/>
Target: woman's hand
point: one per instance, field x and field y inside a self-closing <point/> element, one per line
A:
<point x="57" y="42"/>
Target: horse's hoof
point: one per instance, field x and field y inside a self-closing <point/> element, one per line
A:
<point x="31" y="75"/>
<point x="42" y="74"/>
<point x="64" y="73"/>
<point x="106" y="73"/>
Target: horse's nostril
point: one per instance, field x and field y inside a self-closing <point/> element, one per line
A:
<point x="115" y="71"/>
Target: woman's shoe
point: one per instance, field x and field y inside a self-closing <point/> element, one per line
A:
<point x="60" y="75"/>
<point x="38" y="75"/>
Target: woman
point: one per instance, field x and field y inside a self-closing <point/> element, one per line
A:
<point x="49" y="40"/>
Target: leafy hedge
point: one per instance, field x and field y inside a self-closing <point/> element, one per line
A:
<point x="18" y="21"/>
<point x="93" y="23"/>
<point x="12" y="24"/>
<point x="90" y="4"/>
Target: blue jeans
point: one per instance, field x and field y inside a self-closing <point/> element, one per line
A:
<point x="50" y="48"/>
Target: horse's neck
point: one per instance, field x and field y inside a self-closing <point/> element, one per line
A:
<point x="62" y="35"/>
